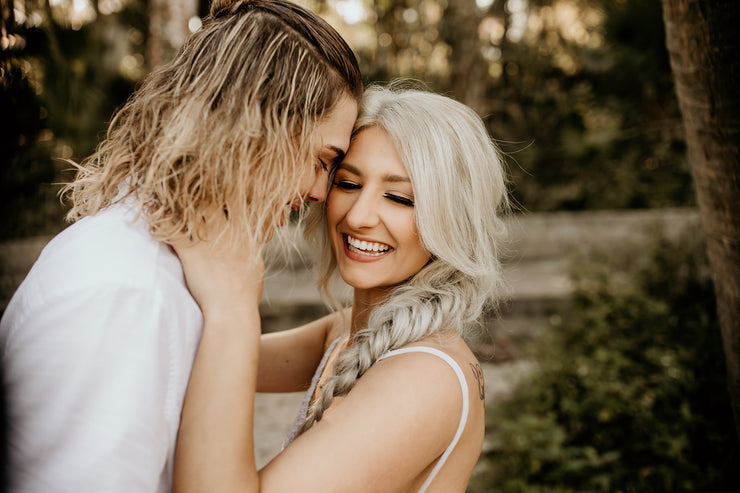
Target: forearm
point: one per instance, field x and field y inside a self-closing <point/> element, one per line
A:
<point x="288" y="359"/>
<point x="215" y="449"/>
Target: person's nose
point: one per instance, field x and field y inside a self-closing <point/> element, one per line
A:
<point x="363" y="213"/>
<point x="318" y="191"/>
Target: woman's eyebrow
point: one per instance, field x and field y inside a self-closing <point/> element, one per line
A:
<point x="337" y="150"/>
<point x="388" y="178"/>
<point x="352" y="169"/>
<point x="396" y="179"/>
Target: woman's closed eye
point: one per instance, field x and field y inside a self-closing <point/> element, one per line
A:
<point x="400" y="199"/>
<point x="346" y="185"/>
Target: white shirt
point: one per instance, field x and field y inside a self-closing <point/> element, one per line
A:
<point x="97" y="345"/>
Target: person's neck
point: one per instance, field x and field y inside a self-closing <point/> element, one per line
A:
<point x="363" y="303"/>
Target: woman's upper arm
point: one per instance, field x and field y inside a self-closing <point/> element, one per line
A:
<point x="396" y="421"/>
<point x="289" y="358"/>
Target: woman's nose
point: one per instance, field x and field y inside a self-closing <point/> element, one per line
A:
<point x="318" y="191"/>
<point x="363" y="212"/>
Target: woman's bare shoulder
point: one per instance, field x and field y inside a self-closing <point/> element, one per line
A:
<point x="447" y="369"/>
<point x="451" y="344"/>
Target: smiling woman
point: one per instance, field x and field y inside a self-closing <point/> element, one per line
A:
<point x="429" y="160"/>
<point x="371" y="219"/>
<point x="394" y="402"/>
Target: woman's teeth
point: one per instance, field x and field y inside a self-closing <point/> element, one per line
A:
<point x="366" y="247"/>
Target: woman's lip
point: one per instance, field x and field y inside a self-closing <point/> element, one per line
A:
<point x="353" y="254"/>
<point x="347" y="237"/>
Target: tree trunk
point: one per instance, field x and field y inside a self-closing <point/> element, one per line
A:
<point x="702" y="40"/>
<point x="168" y="28"/>
<point x="469" y="70"/>
<point x="7" y="20"/>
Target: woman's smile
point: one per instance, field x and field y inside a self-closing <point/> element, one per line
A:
<point x="364" y="251"/>
<point x="370" y="214"/>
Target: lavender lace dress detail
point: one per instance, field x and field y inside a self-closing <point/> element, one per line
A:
<point x="303" y="411"/>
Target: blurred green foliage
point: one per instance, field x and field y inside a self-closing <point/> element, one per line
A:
<point x="605" y="132"/>
<point x="578" y="93"/>
<point x="60" y="85"/>
<point x="630" y="390"/>
<point x="25" y="147"/>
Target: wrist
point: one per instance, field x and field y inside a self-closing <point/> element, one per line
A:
<point x="217" y="317"/>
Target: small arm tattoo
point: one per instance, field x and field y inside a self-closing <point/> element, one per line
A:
<point x="478" y="373"/>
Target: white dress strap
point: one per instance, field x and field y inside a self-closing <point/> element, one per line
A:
<point x="465" y="403"/>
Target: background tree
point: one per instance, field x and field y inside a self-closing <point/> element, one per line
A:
<point x="25" y="139"/>
<point x="65" y="66"/>
<point x="169" y="26"/>
<point x="703" y="39"/>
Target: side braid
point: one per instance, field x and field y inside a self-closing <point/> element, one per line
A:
<point x="413" y="312"/>
<point x="460" y="195"/>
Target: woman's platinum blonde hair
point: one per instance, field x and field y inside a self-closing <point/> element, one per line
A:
<point x="226" y="125"/>
<point x="460" y="196"/>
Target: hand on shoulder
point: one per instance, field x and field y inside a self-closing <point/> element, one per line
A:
<point x="221" y="275"/>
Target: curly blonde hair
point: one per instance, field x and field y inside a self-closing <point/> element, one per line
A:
<point x="224" y="125"/>
<point x="460" y="199"/>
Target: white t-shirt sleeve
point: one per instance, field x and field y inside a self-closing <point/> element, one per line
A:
<point x="96" y="405"/>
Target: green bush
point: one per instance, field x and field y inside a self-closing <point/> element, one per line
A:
<point x="630" y="392"/>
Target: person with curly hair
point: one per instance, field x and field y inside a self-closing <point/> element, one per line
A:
<point x="242" y="126"/>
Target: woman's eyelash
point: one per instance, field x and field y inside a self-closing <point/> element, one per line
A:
<point x="401" y="200"/>
<point x="346" y="185"/>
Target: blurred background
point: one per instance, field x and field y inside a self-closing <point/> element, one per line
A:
<point x="577" y="92"/>
<point x="604" y="368"/>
